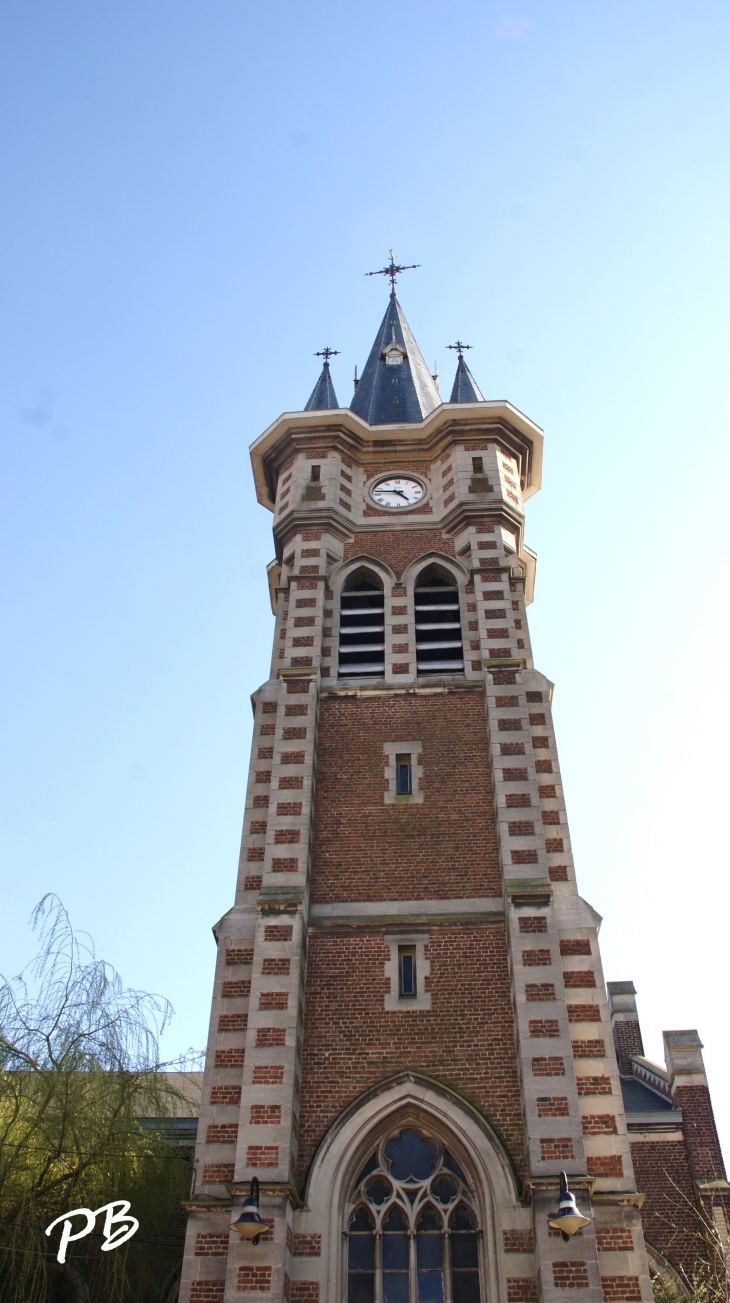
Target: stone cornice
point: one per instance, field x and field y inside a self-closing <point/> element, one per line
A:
<point x="206" y="1204"/>
<point x="342" y="428"/>
<point x="280" y="1189"/>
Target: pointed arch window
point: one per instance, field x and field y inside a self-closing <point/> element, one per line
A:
<point x="362" y="626"/>
<point x="439" y="647"/>
<point x="411" y="1227"/>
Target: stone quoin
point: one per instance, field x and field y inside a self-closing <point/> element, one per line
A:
<point x="411" y="1036"/>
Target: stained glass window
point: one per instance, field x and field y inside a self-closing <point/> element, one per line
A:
<point x="412" y="1227"/>
<point x="464" y="1256"/>
<point x="361" y="1275"/>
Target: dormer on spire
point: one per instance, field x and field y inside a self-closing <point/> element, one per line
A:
<point x="465" y="388"/>
<point x="323" y="395"/>
<point x="394" y="353"/>
<point x="396" y="386"/>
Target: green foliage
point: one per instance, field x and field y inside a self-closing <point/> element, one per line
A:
<point x="709" y="1284"/>
<point x="80" y="1080"/>
<point x="706" y="1269"/>
<point x="664" y="1293"/>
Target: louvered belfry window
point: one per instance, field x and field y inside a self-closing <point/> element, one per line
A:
<point x="439" y="648"/>
<point x="362" y="626"/>
<point x="412" y="1232"/>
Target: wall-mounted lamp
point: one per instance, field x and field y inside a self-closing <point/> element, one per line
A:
<point x="569" y="1219"/>
<point x="249" y="1225"/>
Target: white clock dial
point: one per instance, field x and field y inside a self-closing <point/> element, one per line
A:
<point x="397" y="492"/>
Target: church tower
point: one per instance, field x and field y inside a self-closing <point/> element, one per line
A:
<point x="411" y="1037"/>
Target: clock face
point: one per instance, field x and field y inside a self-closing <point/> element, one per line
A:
<point x="398" y="492"/>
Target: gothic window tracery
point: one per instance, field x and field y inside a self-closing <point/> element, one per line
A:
<point x="412" y="1229"/>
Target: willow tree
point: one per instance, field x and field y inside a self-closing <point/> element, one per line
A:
<point x="82" y="1098"/>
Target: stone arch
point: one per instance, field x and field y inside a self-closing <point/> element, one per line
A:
<point x="452" y="567"/>
<point x="362" y="576"/>
<point x="661" y="1268"/>
<point x="364" y="561"/>
<point x="408" y="1099"/>
<point x="438" y="590"/>
<point x="361" y="595"/>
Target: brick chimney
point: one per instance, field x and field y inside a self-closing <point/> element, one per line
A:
<point x="625" y="1024"/>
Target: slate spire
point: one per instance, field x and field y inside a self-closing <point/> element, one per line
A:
<point x="323" y="395"/>
<point x="466" y="389"/>
<point x="396" y="385"/>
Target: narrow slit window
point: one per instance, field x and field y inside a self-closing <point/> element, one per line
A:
<point x="407" y="983"/>
<point x="477" y="465"/>
<point x="403" y="776"/>
<point x="315" y="473"/>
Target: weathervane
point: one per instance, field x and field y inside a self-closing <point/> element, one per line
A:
<point x="327" y="353"/>
<point x="458" y="347"/>
<point x="393" y="270"/>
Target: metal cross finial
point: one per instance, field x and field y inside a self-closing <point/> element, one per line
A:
<point x="393" y="270"/>
<point x="458" y="347"/>
<point x="327" y="353"/>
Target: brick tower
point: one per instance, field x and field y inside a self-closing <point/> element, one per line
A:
<point x="410" y="1035"/>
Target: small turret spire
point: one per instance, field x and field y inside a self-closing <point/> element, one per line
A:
<point x="465" y="388"/>
<point x="323" y="395"/>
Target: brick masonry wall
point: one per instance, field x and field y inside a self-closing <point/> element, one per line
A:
<point x="519" y="1241"/>
<point x="570" y="1275"/>
<point x="352" y="1042"/>
<point x="207" y="1291"/>
<point x="456" y="813"/>
<point x="617" y="1288"/>
<point x="522" y="1289"/>
<point x="399" y="548"/>
<point x="254" y="1278"/>
<point x="663" y="1175"/>
<point x="700" y="1133"/>
<point x="627" y="1040"/>
<point x="614" y="1239"/>
<point x="211" y="1244"/>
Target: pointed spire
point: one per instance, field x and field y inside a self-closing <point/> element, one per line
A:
<point x="323" y="395"/>
<point x="396" y="385"/>
<point x="466" y="389"/>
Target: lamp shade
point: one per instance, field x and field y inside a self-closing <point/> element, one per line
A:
<point x="249" y="1225"/>
<point x="569" y="1219"/>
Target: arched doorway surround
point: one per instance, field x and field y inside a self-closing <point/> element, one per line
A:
<point x="410" y="1102"/>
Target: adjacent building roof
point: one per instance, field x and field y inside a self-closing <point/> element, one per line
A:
<point x="323" y="395"/>
<point x="396" y="386"/>
<point x="640" y="1098"/>
<point x="466" y="389"/>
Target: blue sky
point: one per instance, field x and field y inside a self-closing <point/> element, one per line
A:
<point x="192" y="193"/>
